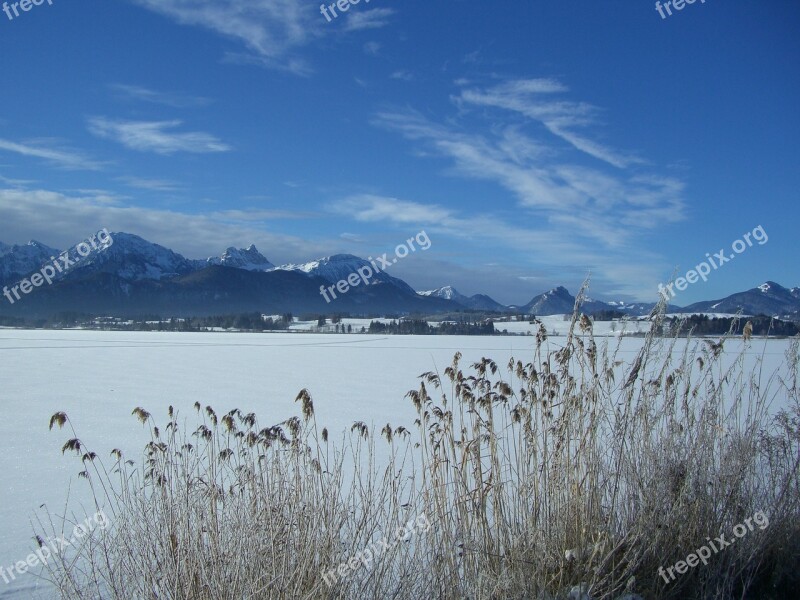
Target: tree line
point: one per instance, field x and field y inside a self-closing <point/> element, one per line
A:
<point x="420" y="327"/>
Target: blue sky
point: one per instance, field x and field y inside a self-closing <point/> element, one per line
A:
<point x="535" y="142"/>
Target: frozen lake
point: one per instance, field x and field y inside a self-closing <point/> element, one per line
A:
<point x="97" y="378"/>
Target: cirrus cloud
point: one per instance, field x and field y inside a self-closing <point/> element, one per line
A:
<point x="154" y="136"/>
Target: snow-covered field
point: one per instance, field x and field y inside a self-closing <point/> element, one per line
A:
<point x="97" y="378"/>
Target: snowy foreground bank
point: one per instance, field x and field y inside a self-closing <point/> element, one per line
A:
<point x="97" y="378"/>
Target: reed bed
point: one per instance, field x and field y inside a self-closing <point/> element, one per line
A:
<point x="569" y="474"/>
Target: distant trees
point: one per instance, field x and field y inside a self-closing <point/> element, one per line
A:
<point x="20" y="322"/>
<point x="465" y="328"/>
<point x="420" y="327"/>
<point x="698" y="325"/>
<point x="704" y="325"/>
<point x="608" y="315"/>
<point x="248" y="322"/>
<point x="243" y="321"/>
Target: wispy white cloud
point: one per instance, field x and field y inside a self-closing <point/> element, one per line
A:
<point x="532" y="98"/>
<point x="372" y="48"/>
<point x="368" y="19"/>
<point x="153" y="185"/>
<point x="577" y="212"/>
<point x="154" y="136"/>
<point x="375" y="208"/>
<point x="52" y="152"/>
<point x="352" y="237"/>
<point x="590" y="201"/>
<point x="16" y="182"/>
<point x="58" y="219"/>
<point x="369" y="207"/>
<point x="402" y="75"/>
<point x="261" y="215"/>
<point x="271" y="30"/>
<point x="173" y="99"/>
<point x="559" y="257"/>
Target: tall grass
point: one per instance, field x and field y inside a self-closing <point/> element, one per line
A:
<point x="570" y="470"/>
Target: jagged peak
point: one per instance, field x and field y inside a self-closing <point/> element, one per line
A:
<point x="556" y="291"/>
<point x="447" y="292"/>
<point x="249" y="259"/>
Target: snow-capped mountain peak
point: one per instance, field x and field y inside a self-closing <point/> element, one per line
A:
<point x="557" y="291"/>
<point x="476" y="302"/>
<point x="249" y="259"/>
<point x="19" y="261"/>
<point x="447" y="292"/>
<point x="338" y="266"/>
<point x="37" y="248"/>
<point x="133" y="258"/>
<point x="769" y="298"/>
<point x="332" y="268"/>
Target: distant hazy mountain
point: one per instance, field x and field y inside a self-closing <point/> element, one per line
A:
<point x="18" y="261"/>
<point x="554" y="302"/>
<point x="133" y="277"/>
<point x="476" y="302"/>
<point x="249" y="259"/>
<point x="559" y="301"/>
<point x="769" y="298"/>
<point x="216" y="290"/>
<point x="637" y="308"/>
<point x="337" y="267"/>
<point x="132" y="258"/>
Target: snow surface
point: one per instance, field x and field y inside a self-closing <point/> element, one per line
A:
<point x="97" y="378"/>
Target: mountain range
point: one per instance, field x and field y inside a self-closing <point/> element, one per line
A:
<point x="134" y="277"/>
